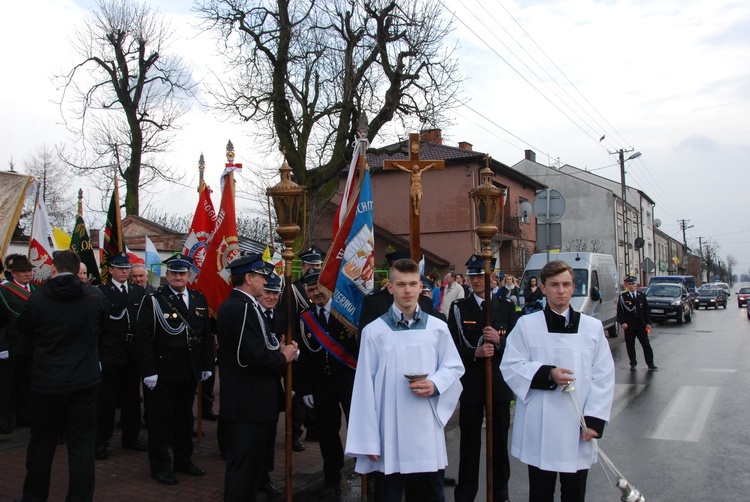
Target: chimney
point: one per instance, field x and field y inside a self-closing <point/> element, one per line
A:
<point x="530" y="155"/>
<point x="432" y="136"/>
<point x="465" y="145"/>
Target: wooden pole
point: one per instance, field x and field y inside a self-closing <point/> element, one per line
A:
<point x="487" y="255"/>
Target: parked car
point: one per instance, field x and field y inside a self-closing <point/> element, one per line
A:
<point x="712" y="298"/>
<point x="669" y="301"/>
<point x="742" y="296"/>
<point x="686" y="280"/>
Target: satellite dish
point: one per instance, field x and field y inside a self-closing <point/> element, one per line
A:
<point x="525" y="210"/>
<point x="657" y="222"/>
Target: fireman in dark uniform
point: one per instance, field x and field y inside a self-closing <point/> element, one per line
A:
<point x="117" y="354"/>
<point x="327" y="380"/>
<point x="301" y="414"/>
<point x="175" y="351"/>
<point x="633" y="316"/>
<point x="476" y="342"/>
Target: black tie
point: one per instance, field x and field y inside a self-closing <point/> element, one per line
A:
<point x="322" y="317"/>
<point x="269" y="315"/>
<point x="124" y="289"/>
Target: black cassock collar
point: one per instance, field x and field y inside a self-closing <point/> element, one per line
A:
<point x="557" y="323"/>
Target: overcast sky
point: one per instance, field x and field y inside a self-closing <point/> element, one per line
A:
<point x="667" y="78"/>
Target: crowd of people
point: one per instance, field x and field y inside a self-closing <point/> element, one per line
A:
<point x="71" y="353"/>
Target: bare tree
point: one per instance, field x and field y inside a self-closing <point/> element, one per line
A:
<point x="709" y="255"/>
<point x="126" y="94"/>
<point x="731" y="261"/>
<point x="306" y="70"/>
<point x="593" y="246"/>
<point x="54" y="182"/>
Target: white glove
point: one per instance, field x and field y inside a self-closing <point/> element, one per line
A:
<point x="205" y="375"/>
<point x="308" y="400"/>
<point x="150" y="381"/>
<point x="4" y="354"/>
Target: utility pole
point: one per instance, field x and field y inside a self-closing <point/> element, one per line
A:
<point x="684" y="226"/>
<point x="624" y="187"/>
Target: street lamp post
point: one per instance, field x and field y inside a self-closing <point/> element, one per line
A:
<point x="486" y="199"/>
<point x="289" y="202"/>
<point x="624" y="188"/>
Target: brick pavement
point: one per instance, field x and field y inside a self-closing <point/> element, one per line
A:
<point x="125" y="475"/>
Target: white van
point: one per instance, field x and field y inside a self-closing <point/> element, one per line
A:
<point x="596" y="284"/>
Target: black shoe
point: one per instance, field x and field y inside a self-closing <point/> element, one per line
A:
<point x="191" y="469"/>
<point x="653" y="368"/>
<point x="273" y="491"/>
<point x="135" y="445"/>
<point x="210" y="416"/>
<point x="329" y="490"/>
<point x="297" y="445"/>
<point x="100" y="452"/>
<point x="165" y="478"/>
<point x="632" y="367"/>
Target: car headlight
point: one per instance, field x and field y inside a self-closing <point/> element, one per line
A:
<point x="712" y="300"/>
<point x="676" y="303"/>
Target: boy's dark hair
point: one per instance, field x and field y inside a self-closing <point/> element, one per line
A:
<point x="405" y="266"/>
<point x="554" y="268"/>
<point x="66" y="261"/>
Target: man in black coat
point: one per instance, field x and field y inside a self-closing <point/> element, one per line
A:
<point x="634" y="317"/>
<point x="175" y="351"/>
<point x="63" y="320"/>
<point x="120" y="377"/>
<point x="15" y="390"/>
<point x="328" y="352"/>
<point x="476" y="341"/>
<point x="252" y="361"/>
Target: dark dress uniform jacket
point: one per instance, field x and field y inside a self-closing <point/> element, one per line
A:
<point x="250" y="371"/>
<point x="632" y="312"/>
<point x="164" y="354"/>
<point x="17" y="343"/>
<point x="316" y="365"/>
<point x="472" y="321"/>
<point x="120" y="322"/>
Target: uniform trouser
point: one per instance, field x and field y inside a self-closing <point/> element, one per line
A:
<point x="428" y="487"/>
<point x="470" y="420"/>
<point x="542" y="485"/>
<point x="170" y="423"/>
<point x="120" y="385"/>
<point x="6" y="417"/>
<point x="640" y="333"/>
<point x="331" y="395"/>
<point x="74" y="413"/>
<point x="245" y="466"/>
<point x="20" y="390"/>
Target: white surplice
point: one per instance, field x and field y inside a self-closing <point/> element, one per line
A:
<point x="546" y="430"/>
<point x="387" y="419"/>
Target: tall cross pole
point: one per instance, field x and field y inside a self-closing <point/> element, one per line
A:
<point x="415" y="167"/>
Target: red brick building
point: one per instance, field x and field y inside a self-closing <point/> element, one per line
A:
<point x="447" y="237"/>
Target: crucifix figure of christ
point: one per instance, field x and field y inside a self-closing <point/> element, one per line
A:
<point x="415" y="167"/>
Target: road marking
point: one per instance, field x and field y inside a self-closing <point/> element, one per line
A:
<point x="624" y="394"/>
<point x="686" y="414"/>
<point x="718" y="370"/>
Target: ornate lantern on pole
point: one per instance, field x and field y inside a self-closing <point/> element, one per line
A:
<point x="486" y="199"/>
<point x="289" y="203"/>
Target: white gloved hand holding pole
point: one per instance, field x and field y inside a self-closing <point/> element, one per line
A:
<point x="205" y="375"/>
<point x="150" y="381"/>
<point x="308" y="401"/>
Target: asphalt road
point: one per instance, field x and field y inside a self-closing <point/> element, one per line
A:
<point x="677" y="434"/>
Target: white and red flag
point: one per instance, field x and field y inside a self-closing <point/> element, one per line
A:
<point x="40" y="244"/>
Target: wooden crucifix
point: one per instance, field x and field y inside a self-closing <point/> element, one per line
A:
<point x="415" y="167"/>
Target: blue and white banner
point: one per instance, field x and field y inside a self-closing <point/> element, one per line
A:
<point x="355" y="277"/>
